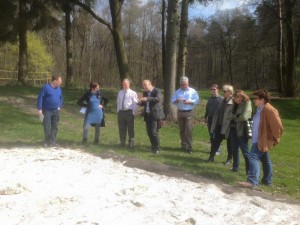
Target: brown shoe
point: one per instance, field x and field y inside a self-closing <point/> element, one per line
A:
<point x="247" y="185"/>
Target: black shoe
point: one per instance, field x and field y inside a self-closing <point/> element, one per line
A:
<point x="234" y="169"/>
<point x="96" y="141"/>
<point x="122" y="145"/>
<point x="190" y="151"/>
<point x="210" y="159"/>
<point x="84" y="141"/>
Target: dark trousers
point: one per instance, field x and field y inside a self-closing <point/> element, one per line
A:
<point x="216" y="141"/>
<point x="236" y="144"/>
<point x="126" y="124"/>
<point x="50" y="122"/>
<point x="152" y="131"/>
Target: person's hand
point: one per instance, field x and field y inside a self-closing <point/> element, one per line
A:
<point x="187" y="101"/>
<point x="58" y="108"/>
<point x="40" y="112"/>
<point x="144" y="99"/>
<point x="100" y="106"/>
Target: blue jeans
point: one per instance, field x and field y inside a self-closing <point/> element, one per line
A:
<point x="236" y="144"/>
<point x="50" y="122"/>
<point x="254" y="158"/>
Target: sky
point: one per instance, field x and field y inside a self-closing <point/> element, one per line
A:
<point x="197" y="10"/>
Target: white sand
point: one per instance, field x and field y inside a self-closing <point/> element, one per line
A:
<point x="62" y="186"/>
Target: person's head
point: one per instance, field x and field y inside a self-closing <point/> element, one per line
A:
<point x="94" y="85"/>
<point x="126" y="84"/>
<point x="228" y="91"/>
<point x="147" y="85"/>
<point x="214" y="89"/>
<point x="240" y="96"/>
<point x="184" y="82"/>
<point x="56" y="80"/>
<point x="261" y="97"/>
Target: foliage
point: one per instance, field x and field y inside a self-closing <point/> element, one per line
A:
<point x="21" y="127"/>
<point x="38" y="57"/>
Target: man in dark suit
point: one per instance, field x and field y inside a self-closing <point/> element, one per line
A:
<point x="153" y="113"/>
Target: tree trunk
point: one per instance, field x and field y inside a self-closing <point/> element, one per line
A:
<point x="182" y="51"/>
<point x="23" y="65"/>
<point x="170" y="66"/>
<point x="118" y="36"/>
<point x="69" y="46"/>
<point x="279" y="49"/>
<point x="290" y="52"/>
<point x="163" y="38"/>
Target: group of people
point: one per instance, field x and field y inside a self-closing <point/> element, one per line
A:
<point x="226" y="118"/>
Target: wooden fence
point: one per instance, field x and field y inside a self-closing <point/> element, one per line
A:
<point x="33" y="78"/>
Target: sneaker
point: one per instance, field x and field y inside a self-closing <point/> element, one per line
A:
<point x="247" y="185"/>
<point x="218" y="153"/>
<point x="45" y="145"/>
<point x="228" y="162"/>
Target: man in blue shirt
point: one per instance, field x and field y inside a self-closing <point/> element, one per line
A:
<point x="185" y="99"/>
<point x="49" y="103"/>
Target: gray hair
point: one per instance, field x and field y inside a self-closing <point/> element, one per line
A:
<point x="228" y="87"/>
<point x="184" y="79"/>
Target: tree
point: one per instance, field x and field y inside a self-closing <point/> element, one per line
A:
<point x="171" y="55"/>
<point x="26" y="15"/>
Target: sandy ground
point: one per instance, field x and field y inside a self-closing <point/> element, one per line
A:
<point x="63" y="186"/>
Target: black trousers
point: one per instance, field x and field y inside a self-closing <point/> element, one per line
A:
<point x="126" y="124"/>
<point x="152" y="131"/>
<point x="216" y="141"/>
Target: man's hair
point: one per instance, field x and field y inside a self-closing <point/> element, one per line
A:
<point x="241" y="93"/>
<point x="126" y="79"/>
<point x="93" y="84"/>
<point x="263" y="94"/>
<point x="55" y="77"/>
<point x="227" y="87"/>
<point x="184" y="79"/>
<point x="215" y="86"/>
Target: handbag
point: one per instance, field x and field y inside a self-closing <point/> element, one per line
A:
<point x="249" y="124"/>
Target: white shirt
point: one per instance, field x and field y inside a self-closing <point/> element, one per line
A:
<point x="130" y="101"/>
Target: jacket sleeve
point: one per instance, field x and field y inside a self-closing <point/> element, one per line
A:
<point x="83" y="101"/>
<point x="246" y="113"/>
<point x="275" y="124"/>
<point x="157" y="96"/>
<point x="104" y="100"/>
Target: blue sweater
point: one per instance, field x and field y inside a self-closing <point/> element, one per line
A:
<point x="49" y="98"/>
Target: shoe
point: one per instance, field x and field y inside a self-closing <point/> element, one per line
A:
<point x="234" y="169"/>
<point x="247" y="185"/>
<point x="228" y="162"/>
<point x="210" y="159"/>
<point x="265" y="183"/>
<point x="189" y="150"/>
<point x="45" y="145"/>
<point x="53" y="145"/>
<point x="84" y="141"/>
<point x="131" y="144"/>
<point x="218" y="153"/>
<point x="96" y="141"/>
<point x="122" y="145"/>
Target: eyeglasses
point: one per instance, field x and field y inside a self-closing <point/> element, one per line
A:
<point x="213" y="89"/>
<point x="224" y="91"/>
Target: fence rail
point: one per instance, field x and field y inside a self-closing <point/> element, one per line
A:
<point x="8" y="77"/>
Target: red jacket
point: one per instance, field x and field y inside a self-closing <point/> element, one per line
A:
<point x="270" y="128"/>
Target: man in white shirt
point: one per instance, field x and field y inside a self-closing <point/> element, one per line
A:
<point x="126" y="108"/>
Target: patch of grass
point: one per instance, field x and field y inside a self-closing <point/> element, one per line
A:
<point x="22" y="128"/>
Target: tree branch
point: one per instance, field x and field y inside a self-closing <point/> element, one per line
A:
<point x="93" y="14"/>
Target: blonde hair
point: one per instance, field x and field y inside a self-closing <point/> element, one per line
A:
<point x="241" y="93"/>
<point x="227" y="87"/>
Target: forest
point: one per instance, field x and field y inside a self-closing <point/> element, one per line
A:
<point x="255" y="46"/>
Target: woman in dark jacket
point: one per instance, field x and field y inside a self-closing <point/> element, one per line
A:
<point x="94" y="101"/>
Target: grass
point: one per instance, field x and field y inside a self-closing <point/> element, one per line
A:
<point x="21" y="127"/>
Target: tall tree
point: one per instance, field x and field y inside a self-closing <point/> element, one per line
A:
<point x="170" y="60"/>
<point x="116" y="30"/>
<point x="27" y="15"/>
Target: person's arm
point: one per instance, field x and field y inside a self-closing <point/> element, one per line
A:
<point x="174" y="98"/>
<point x="275" y="124"/>
<point x="83" y="101"/>
<point x="40" y="100"/>
<point x="206" y="110"/>
<point x="194" y="100"/>
<point x="61" y="100"/>
<point x="246" y="113"/>
<point x="156" y="97"/>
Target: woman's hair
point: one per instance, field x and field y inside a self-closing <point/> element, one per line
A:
<point x="228" y="87"/>
<point x="241" y="93"/>
<point x="263" y="94"/>
<point x="93" y="84"/>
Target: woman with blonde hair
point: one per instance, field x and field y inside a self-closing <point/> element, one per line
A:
<point x="238" y="117"/>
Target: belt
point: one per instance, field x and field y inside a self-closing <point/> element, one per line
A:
<point x="184" y="110"/>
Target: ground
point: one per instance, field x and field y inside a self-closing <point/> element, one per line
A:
<point x="64" y="186"/>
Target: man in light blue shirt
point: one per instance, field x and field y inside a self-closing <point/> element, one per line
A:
<point x="185" y="99"/>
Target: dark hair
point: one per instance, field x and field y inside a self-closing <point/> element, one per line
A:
<point x="241" y="93"/>
<point x="93" y="84"/>
<point x="55" y="77"/>
<point x="215" y="86"/>
<point x="263" y="94"/>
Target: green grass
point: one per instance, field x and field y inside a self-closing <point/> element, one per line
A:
<point x="21" y="127"/>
